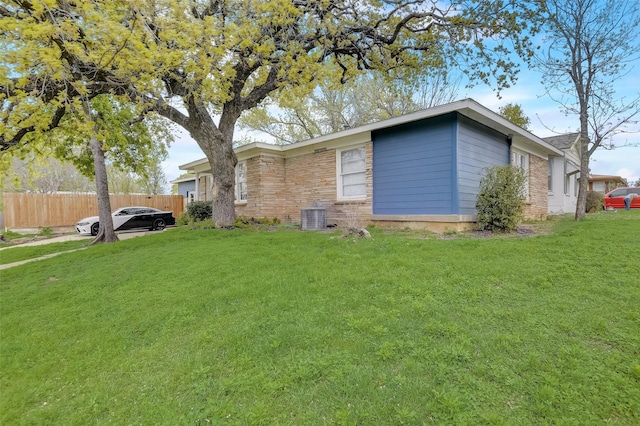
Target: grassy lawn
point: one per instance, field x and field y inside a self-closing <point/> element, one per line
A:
<point x="244" y="327"/>
<point x="15" y="254"/>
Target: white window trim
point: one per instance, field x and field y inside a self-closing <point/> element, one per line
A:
<point x="550" y="175"/>
<point x="237" y="194"/>
<point x="340" y="195"/>
<point x="517" y="155"/>
<point x="567" y="179"/>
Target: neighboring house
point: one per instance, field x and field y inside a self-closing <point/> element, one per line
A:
<point x="420" y="170"/>
<point x="186" y="187"/>
<point x="563" y="173"/>
<point x="604" y="183"/>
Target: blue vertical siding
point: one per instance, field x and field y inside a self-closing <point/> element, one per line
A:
<point x="414" y="168"/>
<point x="478" y="147"/>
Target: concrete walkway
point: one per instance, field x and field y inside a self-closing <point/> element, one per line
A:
<point x="61" y="239"/>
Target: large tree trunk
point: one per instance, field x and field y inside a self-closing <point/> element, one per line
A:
<point x="217" y="144"/>
<point x="106" y="234"/>
<point x="223" y="161"/>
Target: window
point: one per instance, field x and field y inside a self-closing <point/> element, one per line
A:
<point x="352" y="177"/>
<point x="567" y="179"/>
<point x="241" y="181"/>
<point x="521" y="160"/>
<point x="576" y="182"/>
<point x="550" y="176"/>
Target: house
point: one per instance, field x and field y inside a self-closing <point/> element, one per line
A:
<point x="563" y="173"/>
<point x="186" y="187"/>
<point x="605" y="183"/>
<point x="421" y="170"/>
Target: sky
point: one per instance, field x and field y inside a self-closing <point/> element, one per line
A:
<point x="547" y="119"/>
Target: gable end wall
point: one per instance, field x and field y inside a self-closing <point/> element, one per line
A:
<point x="478" y="148"/>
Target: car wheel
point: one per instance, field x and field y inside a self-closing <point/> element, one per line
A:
<point x="159" y="224"/>
<point x="95" y="228"/>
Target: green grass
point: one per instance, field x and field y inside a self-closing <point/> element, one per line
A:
<point x="244" y="327"/>
<point x="15" y="254"/>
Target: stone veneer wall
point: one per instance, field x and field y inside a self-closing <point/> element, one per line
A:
<point x="537" y="206"/>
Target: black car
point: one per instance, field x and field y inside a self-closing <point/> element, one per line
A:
<point x="129" y="218"/>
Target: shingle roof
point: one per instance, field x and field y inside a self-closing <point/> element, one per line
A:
<point x="562" y="141"/>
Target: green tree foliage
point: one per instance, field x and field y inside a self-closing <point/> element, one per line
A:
<point x="130" y="144"/>
<point x="202" y="64"/>
<point x="500" y="198"/>
<point x="515" y="114"/>
<point x="590" y="46"/>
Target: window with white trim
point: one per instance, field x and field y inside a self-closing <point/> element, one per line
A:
<point x="550" y="175"/>
<point x="521" y="159"/>
<point x="352" y="177"/>
<point x="241" y="181"/>
<point x="567" y="178"/>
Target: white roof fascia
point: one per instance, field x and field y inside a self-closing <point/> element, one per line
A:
<point x="184" y="179"/>
<point x="190" y="167"/>
<point x="467" y="107"/>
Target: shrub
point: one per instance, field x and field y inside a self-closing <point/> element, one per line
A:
<point x="595" y="202"/>
<point x="199" y="210"/>
<point x="500" y="199"/>
<point x="183" y="219"/>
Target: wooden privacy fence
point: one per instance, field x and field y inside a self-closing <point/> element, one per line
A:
<point x="28" y="210"/>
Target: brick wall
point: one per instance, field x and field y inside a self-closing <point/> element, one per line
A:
<point x="537" y="206"/>
<point x="265" y="188"/>
<point x="278" y="187"/>
<point x="311" y="179"/>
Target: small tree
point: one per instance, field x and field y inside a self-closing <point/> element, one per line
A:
<point x="590" y="47"/>
<point x="515" y="114"/>
<point x="500" y="200"/>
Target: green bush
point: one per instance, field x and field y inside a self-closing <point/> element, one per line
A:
<point x="199" y="210"/>
<point x="500" y="199"/>
<point x="595" y="202"/>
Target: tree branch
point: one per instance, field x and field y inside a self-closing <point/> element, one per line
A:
<point x="6" y="143"/>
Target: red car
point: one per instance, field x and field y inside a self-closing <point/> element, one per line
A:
<point x="615" y="198"/>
